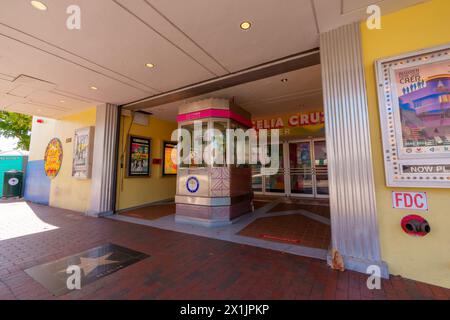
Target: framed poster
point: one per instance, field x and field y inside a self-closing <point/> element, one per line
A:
<point x="139" y="150"/>
<point x="414" y="99"/>
<point x="53" y="158"/>
<point x="82" y="153"/>
<point x="169" y="167"/>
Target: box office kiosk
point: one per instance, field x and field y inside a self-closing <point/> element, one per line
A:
<point x="212" y="193"/>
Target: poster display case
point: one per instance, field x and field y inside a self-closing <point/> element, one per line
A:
<point x="414" y="102"/>
<point x="82" y="153"/>
<point x="138" y="157"/>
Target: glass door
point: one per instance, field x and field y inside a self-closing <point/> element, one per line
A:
<point x="300" y="172"/>
<point x="270" y="184"/>
<point x="320" y="169"/>
<point x="275" y="184"/>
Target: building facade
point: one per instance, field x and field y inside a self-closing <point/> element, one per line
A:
<point x="343" y="134"/>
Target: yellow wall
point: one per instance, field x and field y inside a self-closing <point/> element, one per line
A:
<point x="67" y="192"/>
<point x="425" y="259"/>
<point x="133" y="192"/>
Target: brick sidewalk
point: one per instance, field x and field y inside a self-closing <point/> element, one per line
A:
<point x="180" y="266"/>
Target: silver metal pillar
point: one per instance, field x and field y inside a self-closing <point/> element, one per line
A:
<point x="352" y="193"/>
<point x="103" y="168"/>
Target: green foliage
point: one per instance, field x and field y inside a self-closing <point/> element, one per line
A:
<point x="16" y="125"/>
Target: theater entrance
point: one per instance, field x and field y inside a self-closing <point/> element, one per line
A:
<point x="303" y="171"/>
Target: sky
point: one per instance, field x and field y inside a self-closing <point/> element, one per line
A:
<point x="7" y="144"/>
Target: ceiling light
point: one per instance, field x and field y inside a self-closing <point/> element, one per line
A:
<point x="39" y="5"/>
<point x="246" y="25"/>
<point x="94" y="88"/>
<point x="150" y="65"/>
<point x="62" y="101"/>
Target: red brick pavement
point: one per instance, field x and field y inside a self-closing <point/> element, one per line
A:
<point x="181" y="266"/>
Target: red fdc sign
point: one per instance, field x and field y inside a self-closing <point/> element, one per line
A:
<point x="410" y="200"/>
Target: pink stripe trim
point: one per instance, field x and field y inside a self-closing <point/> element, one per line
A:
<point x="214" y="113"/>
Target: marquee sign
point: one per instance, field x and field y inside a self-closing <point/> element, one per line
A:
<point x="304" y="124"/>
<point x="414" y="97"/>
<point x="53" y="158"/>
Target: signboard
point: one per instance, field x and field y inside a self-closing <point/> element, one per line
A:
<point x="414" y="96"/>
<point x="169" y="167"/>
<point x="138" y="157"/>
<point x="82" y="153"/>
<point x="301" y="125"/>
<point x="410" y="200"/>
<point x="53" y="158"/>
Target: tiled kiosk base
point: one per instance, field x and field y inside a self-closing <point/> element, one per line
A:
<point x="211" y="216"/>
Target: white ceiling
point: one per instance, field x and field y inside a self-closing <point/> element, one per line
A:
<point x="266" y="97"/>
<point x="188" y="41"/>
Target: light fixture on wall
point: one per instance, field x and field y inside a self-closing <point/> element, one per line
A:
<point x="150" y="65"/>
<point x="284" y="80"/>
<point x="39" y="5"/>
<point x="94" y="88"/>
<point x="245" y="25"/>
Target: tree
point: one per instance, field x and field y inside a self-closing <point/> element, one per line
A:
<point x="16" y="125"/>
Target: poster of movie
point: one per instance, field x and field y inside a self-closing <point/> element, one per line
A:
<point x="424" y="105"/>
<point x="139" y="157"/>
<point x="82" y="153"/>
<point x="414" y="97"/>
<point x="170" y="167"/>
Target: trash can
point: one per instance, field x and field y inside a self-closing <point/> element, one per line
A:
<point x="12" y="184"/>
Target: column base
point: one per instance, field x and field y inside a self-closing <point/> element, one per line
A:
<point x="361" y="265"/>
<point x="210" y="216"/>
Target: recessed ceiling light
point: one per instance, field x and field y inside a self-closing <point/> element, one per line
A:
<point x="39" y="5"/>
<point x="284" y="80"/>
<point x="246" y="25"/>
<point x="94" y="88"/>
<point x="149" y="65"/>
<point x="62" y="101"/>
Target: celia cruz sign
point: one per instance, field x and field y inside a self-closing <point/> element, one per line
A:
<point x="410" y="200"/>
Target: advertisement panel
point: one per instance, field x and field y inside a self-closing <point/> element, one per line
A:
<point x="414" y="96"/>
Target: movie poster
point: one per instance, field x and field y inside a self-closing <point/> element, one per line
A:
<point x="414" y="96"/>
<point x="139" y="157"/>
<point x="423" y="95"/>
<point x="169" y="167"/>
<point x="82" y="153"/>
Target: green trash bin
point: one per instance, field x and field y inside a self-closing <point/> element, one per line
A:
<point x="12" y="184"/>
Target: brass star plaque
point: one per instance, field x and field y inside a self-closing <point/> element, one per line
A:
<point x="59" y="276"/>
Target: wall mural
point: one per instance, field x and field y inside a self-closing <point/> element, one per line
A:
<point x="414" y="95"/>
<point x="82" y="153"/>
<point x="53" y="158"/>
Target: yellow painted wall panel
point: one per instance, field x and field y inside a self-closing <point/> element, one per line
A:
<point x="424" y="259"/>
<point x="133" y="192"/>
<point x="67" y="192"/>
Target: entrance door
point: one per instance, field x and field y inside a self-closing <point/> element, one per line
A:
<point x="308" y="169"/>
<point x="300" y="172"/>
<point x="320" y="169"/>
<point x="273" y="184"/>
<point x="303" y="171"/>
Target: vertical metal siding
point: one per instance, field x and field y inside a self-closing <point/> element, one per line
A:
<point x="352" y="193"/>
<point x="108" y="130"/>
